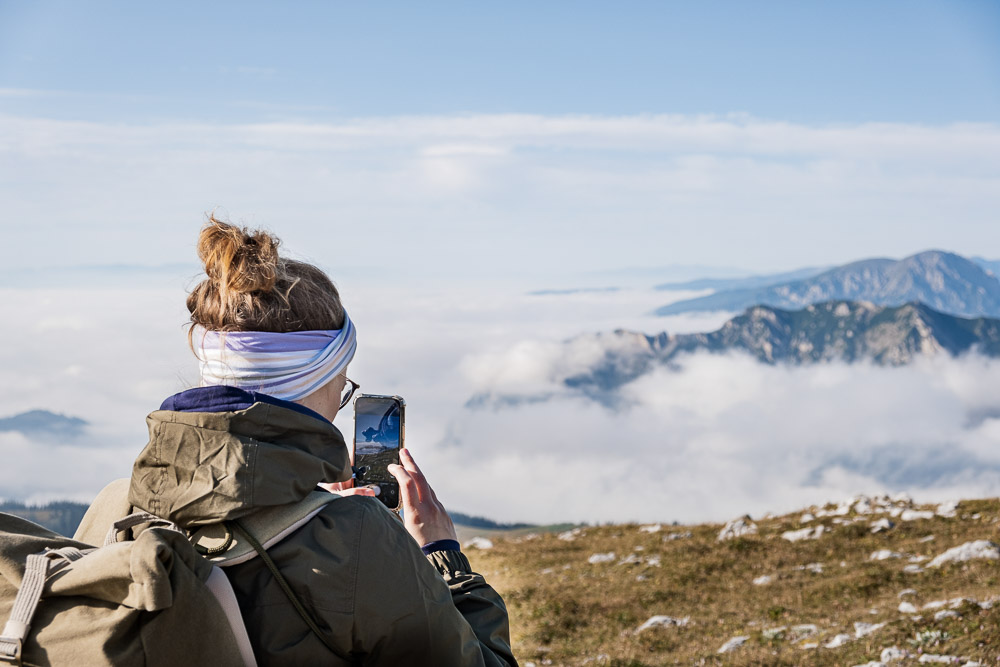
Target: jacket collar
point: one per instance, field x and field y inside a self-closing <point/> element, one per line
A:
<point x="220" y="455"/>
<point x="227" y="399"/>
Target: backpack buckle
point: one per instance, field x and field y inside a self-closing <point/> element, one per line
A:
<point x="10" y="650"/>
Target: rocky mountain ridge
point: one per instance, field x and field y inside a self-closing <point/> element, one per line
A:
<point x="833" y="331"/>
<point x="946" y="282"/>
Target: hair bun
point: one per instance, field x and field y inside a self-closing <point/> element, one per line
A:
<point x="237" y="259"/>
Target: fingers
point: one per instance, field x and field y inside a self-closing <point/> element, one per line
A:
<point x="409" y="493"/>
<point x="360" y="491"/>
<point x="336" y="487"/>
<point x="424" y="488"/>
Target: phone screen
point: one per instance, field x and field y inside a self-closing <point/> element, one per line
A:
<point x="378" y="435"/>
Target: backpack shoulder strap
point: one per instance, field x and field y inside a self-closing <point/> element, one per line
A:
<point x="219" y="584"/>
<point x="219" y="544"/>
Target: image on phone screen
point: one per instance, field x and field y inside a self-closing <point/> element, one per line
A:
<point x="377" y="439"/>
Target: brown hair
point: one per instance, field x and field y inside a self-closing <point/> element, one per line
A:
<point x="251" y="288"/>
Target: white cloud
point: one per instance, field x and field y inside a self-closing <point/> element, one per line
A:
<point x="723" y="437"/>
<point x="514" y="196"/>
<point x="727" y="436"/>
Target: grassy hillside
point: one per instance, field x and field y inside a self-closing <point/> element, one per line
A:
<point x="571" y="603"/>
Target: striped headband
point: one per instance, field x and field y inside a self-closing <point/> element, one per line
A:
<point x="283" y="365"/>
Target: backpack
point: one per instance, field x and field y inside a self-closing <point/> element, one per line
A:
<point x="160" y="599"/>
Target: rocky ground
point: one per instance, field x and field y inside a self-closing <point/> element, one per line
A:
<point x="869" y="581"/>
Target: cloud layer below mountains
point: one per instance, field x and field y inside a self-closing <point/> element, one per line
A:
<point x="721" y="437"/>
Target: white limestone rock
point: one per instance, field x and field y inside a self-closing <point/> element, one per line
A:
<point x="802" y="631"/>
<point x="915" y="515"/>
<point x="979" y="549"/>
<point x="947" y="509"/>
<point x="762" y="580"/>
<point x="934" y="658"/>
<point x="837" y="641"/>
<point x="884" y="554"/>
<point x="893" y="654"/>
<point x="907" y="608"/>
<point x="803" y="534"/>
<point x="732" y="644"/>
<point x="738" y="528"/>
<point x="478" y="543"/>
<point x="602" y="558"/>
<point x="865" y="629"/>
<point x="881" y="525"/>
<point x="664" y="622"/>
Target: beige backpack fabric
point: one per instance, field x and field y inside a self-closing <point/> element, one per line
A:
<point x="151" y="601"/>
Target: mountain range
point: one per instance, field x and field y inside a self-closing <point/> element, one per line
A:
<point x="844" y="331"/>
<point x="946" y="282"/>
<point x="832" y="331"/>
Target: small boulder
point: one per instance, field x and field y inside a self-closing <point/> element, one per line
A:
<point x="732" y="644"/>
<point x="738" y="528"/>
<point x="601" y="558"/>
<point x="947" y="509"/>
<point x="865" y="629"/>
<point x="803" y="534"/>
<point x="478" y="543"/>
<point x="893" y="654"/>
<point x="664" y="622"/>
<point x="881" y="525"/>
<point x="969" y="551"/>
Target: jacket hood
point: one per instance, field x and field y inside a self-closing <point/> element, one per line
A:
<point x="203" y="467"/>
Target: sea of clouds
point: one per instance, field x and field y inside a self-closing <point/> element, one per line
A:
<point x="722" y="436"/>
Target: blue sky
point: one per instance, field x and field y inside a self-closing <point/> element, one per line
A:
<point x="549" y="141"/>
<point x="814" y="62"/>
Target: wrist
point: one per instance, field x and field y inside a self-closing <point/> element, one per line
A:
<point x="440" y="545"/>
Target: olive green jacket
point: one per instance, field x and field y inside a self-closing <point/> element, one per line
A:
<point x="356" y="569"/>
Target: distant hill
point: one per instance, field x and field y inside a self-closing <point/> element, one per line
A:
<point x="62" y="517"/>
<point x="944" y="281"/>
<point x="743" y="283"/>
<point x="44" y="423"/>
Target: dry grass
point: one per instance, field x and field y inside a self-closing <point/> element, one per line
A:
<point x="566" y="611"/>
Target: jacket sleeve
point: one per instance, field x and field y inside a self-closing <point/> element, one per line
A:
<point x="408" y="611"/>
<point x="481" y="606"/>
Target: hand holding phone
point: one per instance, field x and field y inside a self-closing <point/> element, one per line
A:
<point x="423" y="514"/>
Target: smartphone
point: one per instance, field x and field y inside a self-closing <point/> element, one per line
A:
<point x="378" y="436"/>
